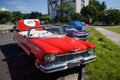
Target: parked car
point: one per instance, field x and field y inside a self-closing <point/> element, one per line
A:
<point x="78" y="25"/>
<point x="52" y="52"/>
<point x="69" y="31"/>
<point x="72" y="32"/>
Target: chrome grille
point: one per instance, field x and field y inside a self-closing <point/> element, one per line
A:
<point x="70" y="56"/>
<point x="67" y="57"/>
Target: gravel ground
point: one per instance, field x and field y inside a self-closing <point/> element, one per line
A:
<point x="5" y="27"/>
<point x="115" y="37"/>
<point x="16" y="65"/>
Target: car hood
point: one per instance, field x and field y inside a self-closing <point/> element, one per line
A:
<point x="59" y="45"/>
<point x="80" y="31"/>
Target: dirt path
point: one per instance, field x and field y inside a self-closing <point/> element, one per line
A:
<point x="115" y="37"/>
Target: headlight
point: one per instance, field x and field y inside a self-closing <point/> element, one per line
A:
<point x="90" y="51"/>
<point x="49" y="57"/>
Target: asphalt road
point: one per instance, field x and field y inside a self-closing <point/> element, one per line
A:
<point x="16" y="65"/>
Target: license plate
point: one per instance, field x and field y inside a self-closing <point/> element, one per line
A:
<point x="71" y="65"/>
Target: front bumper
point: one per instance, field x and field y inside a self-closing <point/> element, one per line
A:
<point x="81" y="36"/>
<point x="67" y="64"/>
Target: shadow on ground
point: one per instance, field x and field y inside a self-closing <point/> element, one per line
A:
<point x="21" y="68"/>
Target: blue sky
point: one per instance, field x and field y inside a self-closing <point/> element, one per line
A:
<point x="26" y="6"/>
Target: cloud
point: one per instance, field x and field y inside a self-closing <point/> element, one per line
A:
<point x="23" y="9"/>
<point x="4" y="9"/>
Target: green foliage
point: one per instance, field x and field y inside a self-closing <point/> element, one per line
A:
<point x="101" y="16"/>
<point x="66" y="8"/>
<point x="66" y="18"/>
<point x="95" y="10"/>
<point x="17" y="16"/>
<point x="90" y="12"/>
<point x="112" y="16"/>
<point x="5" y="16"/>
<point x="4" y="30"/>
<point x="45" y="18"/>
<point x="64" y="12"/>
<point x="106" y="66"/>
<point x="103" y="6"/>
<point x="77" y="16"/>
<point x="98" y="13"/>
<point x="114" y="29"/>
<point x="32" y="15"/>
<point x="99" y="6"/>
<point x="26" y="16"/>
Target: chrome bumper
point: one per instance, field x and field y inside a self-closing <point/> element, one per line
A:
<point x="67" y="64"/>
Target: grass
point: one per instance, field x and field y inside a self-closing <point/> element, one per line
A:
<point x="114" y="29"/>
<point x="4" y="30"/>
<point x="107" y="64"/>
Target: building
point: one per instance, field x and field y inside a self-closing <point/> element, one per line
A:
<point x="53" y="4"/>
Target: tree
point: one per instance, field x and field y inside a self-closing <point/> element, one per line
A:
<point x="95" y="11"/>
<point x="95" y="3"/>
<point x="112" y="16"/>
<point x="66" y="18"/>
<point x="34" y="15"/>
<point x="45" y="18"/>
<point x="26" y="16"/>
<point x="65" y="10"/>
<point x="103" y="6"/>
<point x="101" y="15"/>
<point x="102" y="12"/>
<point x="90" y="12"/>
<point x="17" y="16"/>
<point x="78" y="16"/>
<point x="5" y="16"/>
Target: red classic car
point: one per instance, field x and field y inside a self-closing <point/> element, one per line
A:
<point x="52" y="52"/>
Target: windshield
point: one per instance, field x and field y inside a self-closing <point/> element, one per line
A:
<point x="38" y="33"/>
<point x="68" y="28"/>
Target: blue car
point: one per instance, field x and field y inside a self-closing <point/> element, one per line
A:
<point x="78" y="25"/>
